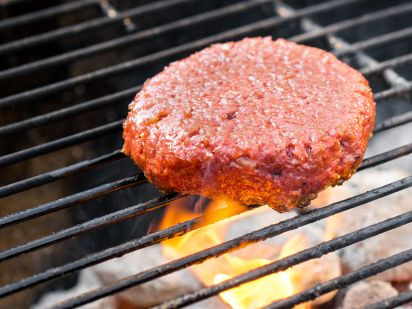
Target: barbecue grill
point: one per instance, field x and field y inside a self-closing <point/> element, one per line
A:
<point x="68" y="71"/>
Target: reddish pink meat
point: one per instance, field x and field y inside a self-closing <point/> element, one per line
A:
<point x="259" y="121"/>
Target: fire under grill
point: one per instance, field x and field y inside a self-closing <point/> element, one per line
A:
<point x="69" y="70"/>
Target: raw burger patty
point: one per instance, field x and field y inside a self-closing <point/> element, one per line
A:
<point x="259" y="121"/>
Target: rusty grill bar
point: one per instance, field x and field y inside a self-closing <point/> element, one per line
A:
<point x="283" y="14"/>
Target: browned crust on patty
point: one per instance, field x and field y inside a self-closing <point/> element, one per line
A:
<point x="259" y="121"/>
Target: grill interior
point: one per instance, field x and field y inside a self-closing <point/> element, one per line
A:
<point x="68" y="69"/>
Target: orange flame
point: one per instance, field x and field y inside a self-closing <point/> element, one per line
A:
<point x="253" y="294"/>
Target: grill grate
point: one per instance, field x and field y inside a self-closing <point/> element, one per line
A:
<point x="132" y="33"/>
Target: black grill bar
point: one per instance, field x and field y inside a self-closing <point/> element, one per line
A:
<point x="27" y="95"/>
<point x="173" y="52"/>
<point x="191" y="21"/>
<point x="386" y="156"/>
<point x="71" y="200"/>
<point x="168" y="53"/>
<point x="393" y="302"/>
<point x="9" y="2"/>
<point x="355" y="276"/>
<point x="67" y="141"/>
<point x="139" y="243"/>
<point x="245" y="240"/>
<point x="77" y="138"/>
<point x="394" y="92"/>
<point x="109" y="99"/>
<point x="57" y="174"/>
<point x="46" y="13"/>
<point x="391" y="63"/>
<point x="399" y="87"/>
<point x="98" y="74"/>
<point x="337" y="43"/>
<point x="83" y="166"/>
<point x="88" y="26"/>
<point x="64" y="113"/>
<point x="376" y="41"/>
<point x="117" y="43"/>
<point x="129" y="39"/>
<point x="394" y="122"/>
<point x="292" y="260"/>
<point x="139" y="179"/>
<point x="242" y="241"/>
<point x="347" y="24"/>
<point x="112" y="218"/>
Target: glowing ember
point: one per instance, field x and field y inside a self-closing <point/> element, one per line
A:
<point x="257" y="293"/>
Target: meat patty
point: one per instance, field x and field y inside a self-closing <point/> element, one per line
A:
<point x="258" y="121"/>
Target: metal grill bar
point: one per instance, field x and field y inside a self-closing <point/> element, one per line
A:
<point x="120" y="216"/>
<point x="376" y="41"/>
<point x="347" y="24"/>
<point x="70" y="140"/>
<point x="250" y="238"/>
<point x="391" y="77"/>
<point x="46" y="13"/>
<point x="67" y="141"/>
<point x="108" y="188"/>
<point x="129" y="39"/>
<point x="394" y="122"/>
<point x="139" y="243"/>
<point x="83" y="166"/>
<point x="87" y="26"/>
<point x="71" y="200"/>
<point x="165" y="54"/>
<point x="386" y="156"/>
<point x="116" y="43"/>
<point x="355" y="276"/>
<point x="185" y="48"/>
<point x="38" y="180"/>
<point x="133" y="211"/>
<point x="112" y="218"/>
<point x="245" y="240"/>
<point x="191" y="21"/>
<point x="8" y="2"/>
<point x="48" y="177"/>
<point x="393" y="92"/>
<point x="110" y="99"/>
<point x="64" y="113"/>
<point x="139" y="179"/>
<point x="391" y="63"/>
<point x="281" y="265"/>
<point x="393" y="302"/>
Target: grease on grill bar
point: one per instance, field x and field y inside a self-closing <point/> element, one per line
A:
<point x="62" y="110"/>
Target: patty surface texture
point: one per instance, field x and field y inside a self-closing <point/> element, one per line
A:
<point x="258" y="121"/>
